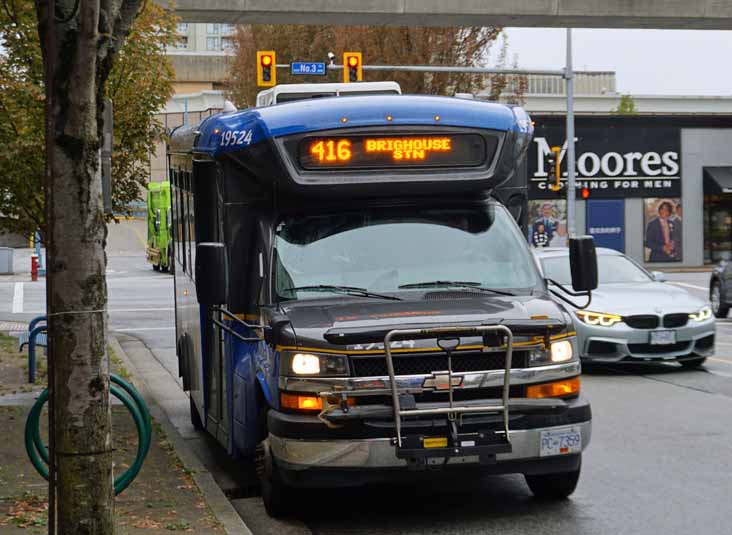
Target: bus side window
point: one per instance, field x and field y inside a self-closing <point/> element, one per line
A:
<point x="191" y="230"/>
<point x="176" y="214"/>
<point x="180" y="221"/>
<point x="188" y="224"/>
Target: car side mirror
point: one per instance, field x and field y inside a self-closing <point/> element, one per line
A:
<point x="583" y="263"/>
<point x="658" y="276"/>
<point x="212" y="274"/>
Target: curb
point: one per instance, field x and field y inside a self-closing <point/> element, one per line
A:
<point x="701" y="269"/>
<point x="219" y="504"/>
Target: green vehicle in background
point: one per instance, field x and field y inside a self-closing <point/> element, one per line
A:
<point x="159" y="248"/>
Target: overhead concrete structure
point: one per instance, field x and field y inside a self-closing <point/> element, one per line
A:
<point x="679" y="14"/>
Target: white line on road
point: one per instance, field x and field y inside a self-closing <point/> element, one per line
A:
<point x="690" y="285"/>
<point x="117" y="310"/>
<point x="18" y="298"/>
<point x="136" y="329"/>
<point x="717" y="372"/>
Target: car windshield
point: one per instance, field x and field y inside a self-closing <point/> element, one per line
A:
<point x="610" y="269"/>
<point x="398" y="250"/>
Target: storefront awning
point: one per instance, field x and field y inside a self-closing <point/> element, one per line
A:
<point x="717" y="180"/>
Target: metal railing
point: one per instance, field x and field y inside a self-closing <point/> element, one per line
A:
<point x="448" y="339"/>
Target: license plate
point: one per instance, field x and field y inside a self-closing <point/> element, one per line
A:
<point x="560" y="441"/>
<point x="661" y="338"/>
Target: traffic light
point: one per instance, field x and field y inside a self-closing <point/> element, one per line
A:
<point x="266" y="68"/>
<point x="555" y="161"/>
<point x="585" y="193"/>
<point x="352" y="67"/>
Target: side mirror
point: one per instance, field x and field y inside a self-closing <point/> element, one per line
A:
<point x="658" y="276"/>
<point x="212" y="274"/>
<point x="583" y="263"/>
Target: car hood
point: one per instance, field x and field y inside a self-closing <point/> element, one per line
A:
<point x="314" y="322"/>
<point x="643" y="298"/>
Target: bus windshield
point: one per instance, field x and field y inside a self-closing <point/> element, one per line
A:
<point x="396" y="250"/>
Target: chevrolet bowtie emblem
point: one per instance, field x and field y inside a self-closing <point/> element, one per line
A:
<point x="439" y="381"/>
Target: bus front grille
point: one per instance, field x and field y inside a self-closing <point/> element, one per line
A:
<point x="427" y="363"/>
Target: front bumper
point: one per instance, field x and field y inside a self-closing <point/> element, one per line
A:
<point x="308" y="453"/>
<point x="153" y="255"/>
<point x="623" y="343"/>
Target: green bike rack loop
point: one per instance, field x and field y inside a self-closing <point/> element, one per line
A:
<point x="130" y="398"/>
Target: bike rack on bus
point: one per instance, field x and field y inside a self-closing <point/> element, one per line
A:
<point x="481" y="444"/>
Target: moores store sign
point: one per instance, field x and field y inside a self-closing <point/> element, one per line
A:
<point x="614" y="159"/>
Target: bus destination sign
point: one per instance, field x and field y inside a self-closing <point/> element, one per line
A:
<point x="389" y="151"/>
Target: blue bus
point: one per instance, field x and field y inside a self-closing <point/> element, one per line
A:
<point x="354" y="303"/>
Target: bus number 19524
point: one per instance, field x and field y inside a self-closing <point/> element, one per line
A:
<point x="236" y="137"/>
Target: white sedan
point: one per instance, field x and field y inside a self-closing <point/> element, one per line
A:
<point x="634" y="315"/>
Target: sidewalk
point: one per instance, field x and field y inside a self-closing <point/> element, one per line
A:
<point x="164" y="498"/>
<point x="22" y="265"/>
<point x="126" y="237"/>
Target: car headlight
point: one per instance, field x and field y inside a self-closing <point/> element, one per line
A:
<point x="598" y="318"/>
<point x="702" y="314"/>
<point x="301" y="363"/>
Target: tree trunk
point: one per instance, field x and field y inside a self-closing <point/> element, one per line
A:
<point x="78" y="297"/>
<point x="79" y="53"/>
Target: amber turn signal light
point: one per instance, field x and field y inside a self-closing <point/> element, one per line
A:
<point x="568" y="387"/>
<point x="297" y="402"/>
<point x="301" y="403"/>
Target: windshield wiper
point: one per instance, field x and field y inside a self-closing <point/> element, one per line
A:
<point x="349" y="290"/>
<point x="458" y="284"/>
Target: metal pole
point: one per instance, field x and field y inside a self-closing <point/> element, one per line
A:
<point x="569" y="76"/>
<point x="445" y="68"/>
<point x="37" y="243"/>
<point x="106" y="156"/>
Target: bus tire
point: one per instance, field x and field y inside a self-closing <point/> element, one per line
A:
<point x="276" y="495"/>
<point x="196" y="420"/>
<point x="171" y="260"/>
<point x="554" y="487"/>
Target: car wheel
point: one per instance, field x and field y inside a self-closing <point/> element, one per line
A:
<point x="276" y="495"/>
<point x="719" y="308"/>
<point x="553" y="486"/>
<point x="692" y="363"/>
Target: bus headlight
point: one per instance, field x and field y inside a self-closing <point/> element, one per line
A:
<point x="301" y="363"/>
<point x="305" y="364"/>
<point x="561" y="351"/>
<point x="702" y="314"/>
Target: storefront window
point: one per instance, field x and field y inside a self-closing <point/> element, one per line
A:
<point x="717" y="228"/>
<point x="548" y="223"/>
<point x="663" y="230"/>
<point x="663" y="223"/>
